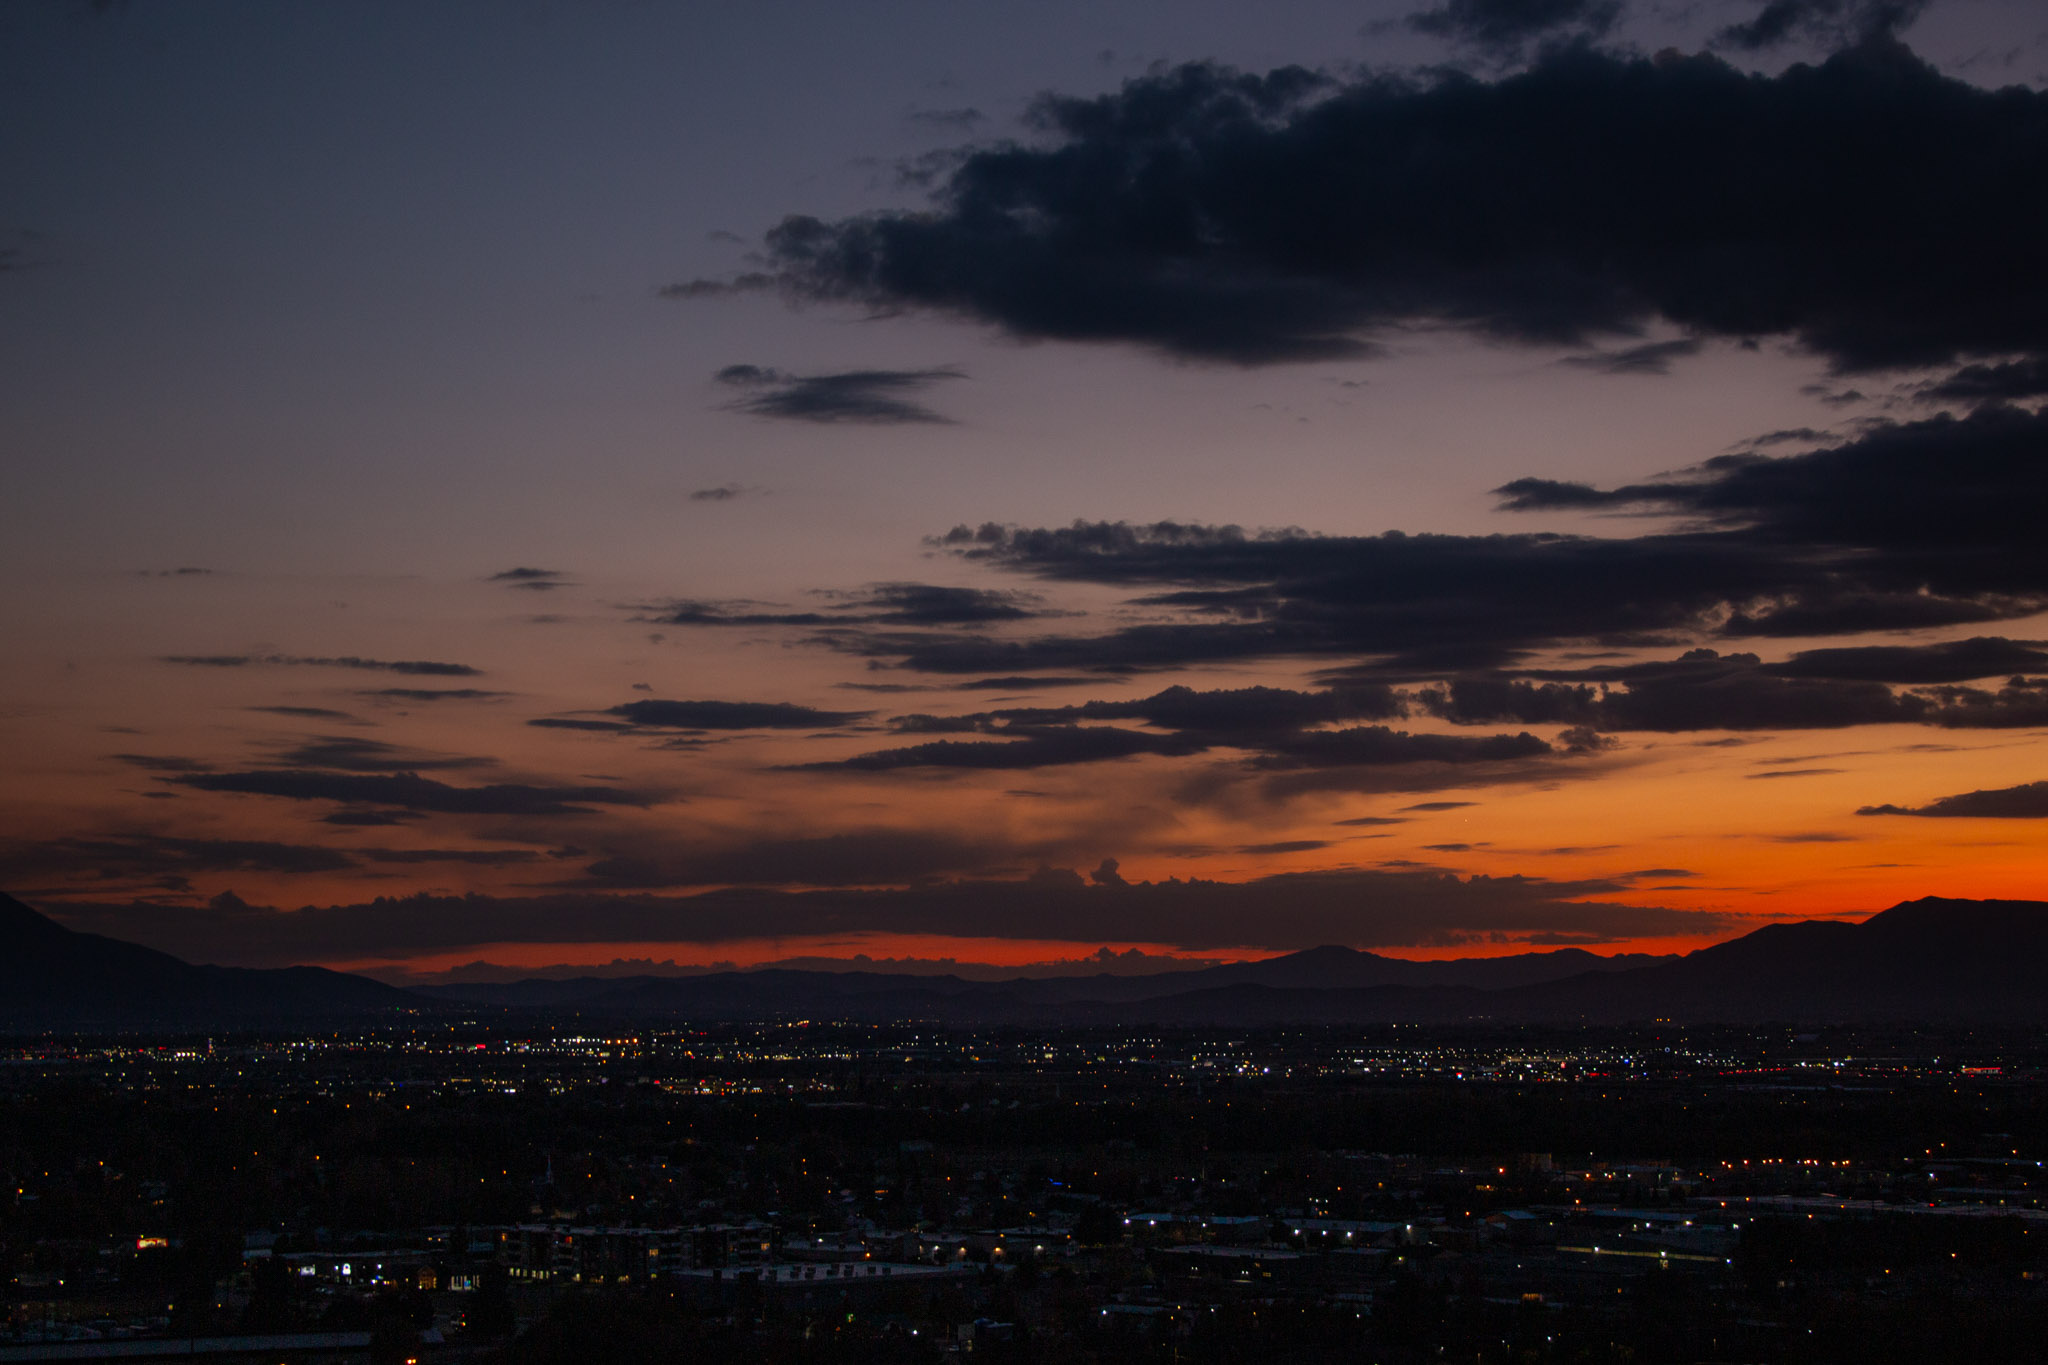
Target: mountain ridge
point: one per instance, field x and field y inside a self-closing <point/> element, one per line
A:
<point x="1934" y="959"/>
<point x="1327" y="967"/>
<point x="52" y="977"/>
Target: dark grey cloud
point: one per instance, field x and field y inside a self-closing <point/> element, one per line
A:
<point x="159" y="860"/>
<point x="1830" y="22"/>
<point x="1833" y="610"/>
<point x="1023" y="682"/>
<point x="921" y="723"/>
<point x="1926" y="523"/>
<point x="302" y="712"/>
<point x="724" y="492"/>
<point x="1585" y="739"/>
<point x="1653" y="357"/>
<point x="748" y="283"/>
<point x="1024" y="747"/>
<point x="170" y="863"/>
<point x="1980" y="656"/>
<point x="366" y="818"/>
<point x="1703" y="690"/>
<point x="930" y="604"/>
<point x="1273" y="744"/>
<point x="691" y="612"/>
<point x="1907" y="525"/>
<point x="1368" y="909"/>
<point x="1224" y="713"/>
<point x="1870" y="208"/>
<point x="409" y="791"/>
<point x="2022" y="703"/>
<point x="533" y="580"/>
<point x="1423" y="604"/>
<point x="1706" y="690"/>
<point x="1133" y="649"/>
<point x="416" y="666"/>
<point x="1284" y="846"/>
<point x="1986" y="382"/>
<point x="1903" y="526"/>
<point x="433" y="694"/>
<point x="730" y="715"/>
<point x="903" y="604"/>
<point x="1379" y="746"/>
<point x="871" y="857"/>
<point x="1954" y="472"/>
<point x="473" y="857"/>
<point x="2028" y="801"/>
<point x="1474" y="701"/>
<point x="1911" y="524"/>
<point x="162" y="763"/>
<point x="1506" y="26"/>
<point x="350" y="754"/>
<point x="880" y="397"/>
<point x="1271" y="723"/>
<point x="1786" y="436"/>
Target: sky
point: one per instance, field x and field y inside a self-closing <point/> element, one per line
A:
<point x="566" y="483"/>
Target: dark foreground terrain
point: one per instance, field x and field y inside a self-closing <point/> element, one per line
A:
<point x="574" y="1191"/>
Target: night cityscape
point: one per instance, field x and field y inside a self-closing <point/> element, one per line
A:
<point x="449" y="1189"/>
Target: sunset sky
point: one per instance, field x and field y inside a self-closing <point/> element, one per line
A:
<point x="563" y="481"/>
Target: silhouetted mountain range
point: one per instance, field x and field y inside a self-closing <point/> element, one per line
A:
<point x="1934" y="960"/>
<point x="54" y="978"/>
<point x="1930" y="959"/>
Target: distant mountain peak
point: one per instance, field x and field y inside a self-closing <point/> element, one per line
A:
<point x="20" y="923"/>
<point x="52" y="977"/>
<point x="1940" y="910"/>
<point x="1324" y="952"/>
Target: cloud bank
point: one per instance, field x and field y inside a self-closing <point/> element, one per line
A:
<point x="1869" y="208"/>
<point x="1364" y="908"/>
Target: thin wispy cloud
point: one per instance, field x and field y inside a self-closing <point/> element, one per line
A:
<point x="533" y="580"/>
<point x="424" y="667"/>
<point x="875" y="397"/>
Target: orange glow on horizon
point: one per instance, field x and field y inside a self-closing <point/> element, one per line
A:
<point x="887" y="951"/>
<point x="880" y="948"/>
